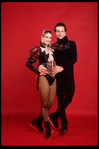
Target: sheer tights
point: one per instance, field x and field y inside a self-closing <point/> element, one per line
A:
<point x="47" y="94"/>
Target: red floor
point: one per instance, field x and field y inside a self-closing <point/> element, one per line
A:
<point x="82" y="131"/>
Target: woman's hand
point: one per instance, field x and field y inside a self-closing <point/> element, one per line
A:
<point x="58" y="69"/>
<point x="42" y="70"/>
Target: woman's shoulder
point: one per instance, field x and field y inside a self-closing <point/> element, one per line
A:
<point x="55" y="46"/>
<point x="35" y="49"/>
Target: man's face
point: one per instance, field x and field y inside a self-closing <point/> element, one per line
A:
<point x="60" y="32"/>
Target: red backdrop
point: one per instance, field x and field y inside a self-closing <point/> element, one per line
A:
<point x="21" y="26"/>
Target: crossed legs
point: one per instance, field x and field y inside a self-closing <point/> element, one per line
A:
<point x="47" y="94"/>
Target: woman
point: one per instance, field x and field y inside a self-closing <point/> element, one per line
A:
<point x="46" y="83"/>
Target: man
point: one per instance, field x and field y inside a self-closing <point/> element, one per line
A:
<point x="65" y="59"/>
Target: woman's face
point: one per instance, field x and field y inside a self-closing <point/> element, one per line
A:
<point x="47" y="38"/>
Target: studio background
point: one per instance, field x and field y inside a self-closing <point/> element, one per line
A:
<point x="22" y="24"/>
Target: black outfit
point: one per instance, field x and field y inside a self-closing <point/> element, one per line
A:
<point x="44" y="54"/>
<point x="66" y="58"/>
<point x="37" y="53"/>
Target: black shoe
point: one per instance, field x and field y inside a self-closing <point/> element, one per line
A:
<point x="64" y="128"/>
<point x="54" y="120"/>
<point x="47" y="129"/>
<point x="38" y="122"/>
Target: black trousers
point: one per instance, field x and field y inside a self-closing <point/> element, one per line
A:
<point x="65" y="92"/>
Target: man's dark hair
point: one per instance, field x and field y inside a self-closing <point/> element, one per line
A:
<point x="60" y="24"/>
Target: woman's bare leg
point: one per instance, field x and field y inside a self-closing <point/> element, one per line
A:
<point x="52" y="94"/>
<point x="43" y="87"/>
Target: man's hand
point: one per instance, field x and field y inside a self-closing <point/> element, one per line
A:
<point x="58" y="69"/>
<point x="42" y="70"/>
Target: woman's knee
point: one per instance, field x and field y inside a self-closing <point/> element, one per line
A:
<point x="50" y="103"/>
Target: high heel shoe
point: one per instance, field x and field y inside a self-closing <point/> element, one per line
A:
<point x="47" y="129"/>
<point x="54" y="120"/>
<point x="38" y="122"/>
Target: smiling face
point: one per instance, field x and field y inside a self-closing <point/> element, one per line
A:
<point x="46" y="39"/>
<point x="60" y="32"/>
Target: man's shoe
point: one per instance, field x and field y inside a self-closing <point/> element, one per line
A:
<point x="64" y="129"/>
